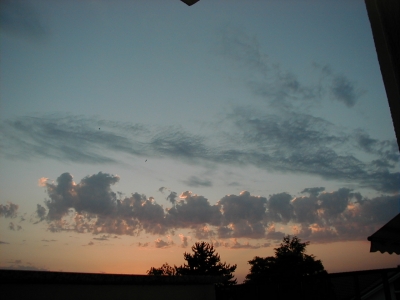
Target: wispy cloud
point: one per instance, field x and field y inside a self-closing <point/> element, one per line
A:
<point x="301" y="143"/>
<point x="194" y="181"/>
<point x="69" y="138"/>
<point x="289" y="141"/>
<point x="92" y="207"/>
<point x="19" y="18"/>
<point x="281" y="88"/>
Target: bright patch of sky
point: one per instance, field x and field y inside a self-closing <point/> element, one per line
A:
<point x="273" y="115"/>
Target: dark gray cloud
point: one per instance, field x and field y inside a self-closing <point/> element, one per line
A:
<point x="162" y="189"/>
<point x="243" y="215"/>
<point x="387" y="151"/>
<point x="8" y="210"/>
<point x="279" y="208"/>
<point x="172" y="197"/>
<point x="192" y="210"/>
<point x="336" y="203"/>
<point x="91" y="206"/>
<point x="194" y="181"/>
<point x="20" y="18"/>
<point x="344" y="90"/>
<point x="41" y="212"/>
<point x="3" y="243"/>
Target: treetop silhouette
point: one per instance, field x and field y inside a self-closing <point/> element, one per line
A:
<point x="203" y="261"/>
<point x="289" y="263"/>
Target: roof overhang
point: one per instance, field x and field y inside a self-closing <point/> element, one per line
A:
<point x="387" y="239"/>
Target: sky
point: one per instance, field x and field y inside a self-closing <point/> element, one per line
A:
<point x="129" y="130"/>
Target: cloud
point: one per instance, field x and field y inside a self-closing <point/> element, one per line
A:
<point x="96" y="208"/>
<point x="344" y="90"/>
<point x="18" y="266"/>
<point x="266" y="79"/>
<point x="8" y="210"/>
<point x="286" y="141"/>
<point x="17" y="261"/>
<point x="176" y="143"/>
<point x="19" y="18"/>
<point x="93" y="195"/>
<point x="90" y="206"/>
<point x="193" y="209"/>
<point x="274" y="235"/>
<point x="301" y="143"/>
<point x="184" y="240"/>
<point x="42" y="181"/>
<point x="194" y="181"/>
<point x="172" y="197"/>
<point x="279" y="208"/>
<point x="69" y="138"/>
<point x="4" y="243"/>
<point x="14" y="227"/>
<point x="102" y="238"/>
<point x="243" y="215"/>
<point x="203" y="232"/>
<point x="313" y="191"/>
<point x="162" y="189"/>
<point x="283" y="89"/>
<point x="40" y="212"/>
<point x="159" y="243"/>
<point x="236" y="245"/>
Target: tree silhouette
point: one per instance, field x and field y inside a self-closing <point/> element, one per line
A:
<point x="203" y="261"/>
<point x="164" y="270"/>
<point x="289" y="263"/>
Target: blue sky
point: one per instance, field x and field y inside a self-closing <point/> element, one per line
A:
<point x="146" y="126"/>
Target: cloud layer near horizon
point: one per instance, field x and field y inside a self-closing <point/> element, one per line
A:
<point x="91" y="206"/>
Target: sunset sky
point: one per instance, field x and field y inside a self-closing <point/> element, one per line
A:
<point x="129" y="130"/>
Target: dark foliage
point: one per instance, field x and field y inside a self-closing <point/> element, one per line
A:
<point x="290" y="263"/>
<point x="164" y="270"/>
<point x="203" y="261"/>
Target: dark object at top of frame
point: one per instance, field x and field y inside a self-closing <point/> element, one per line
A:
<point x="189" y="2"/>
